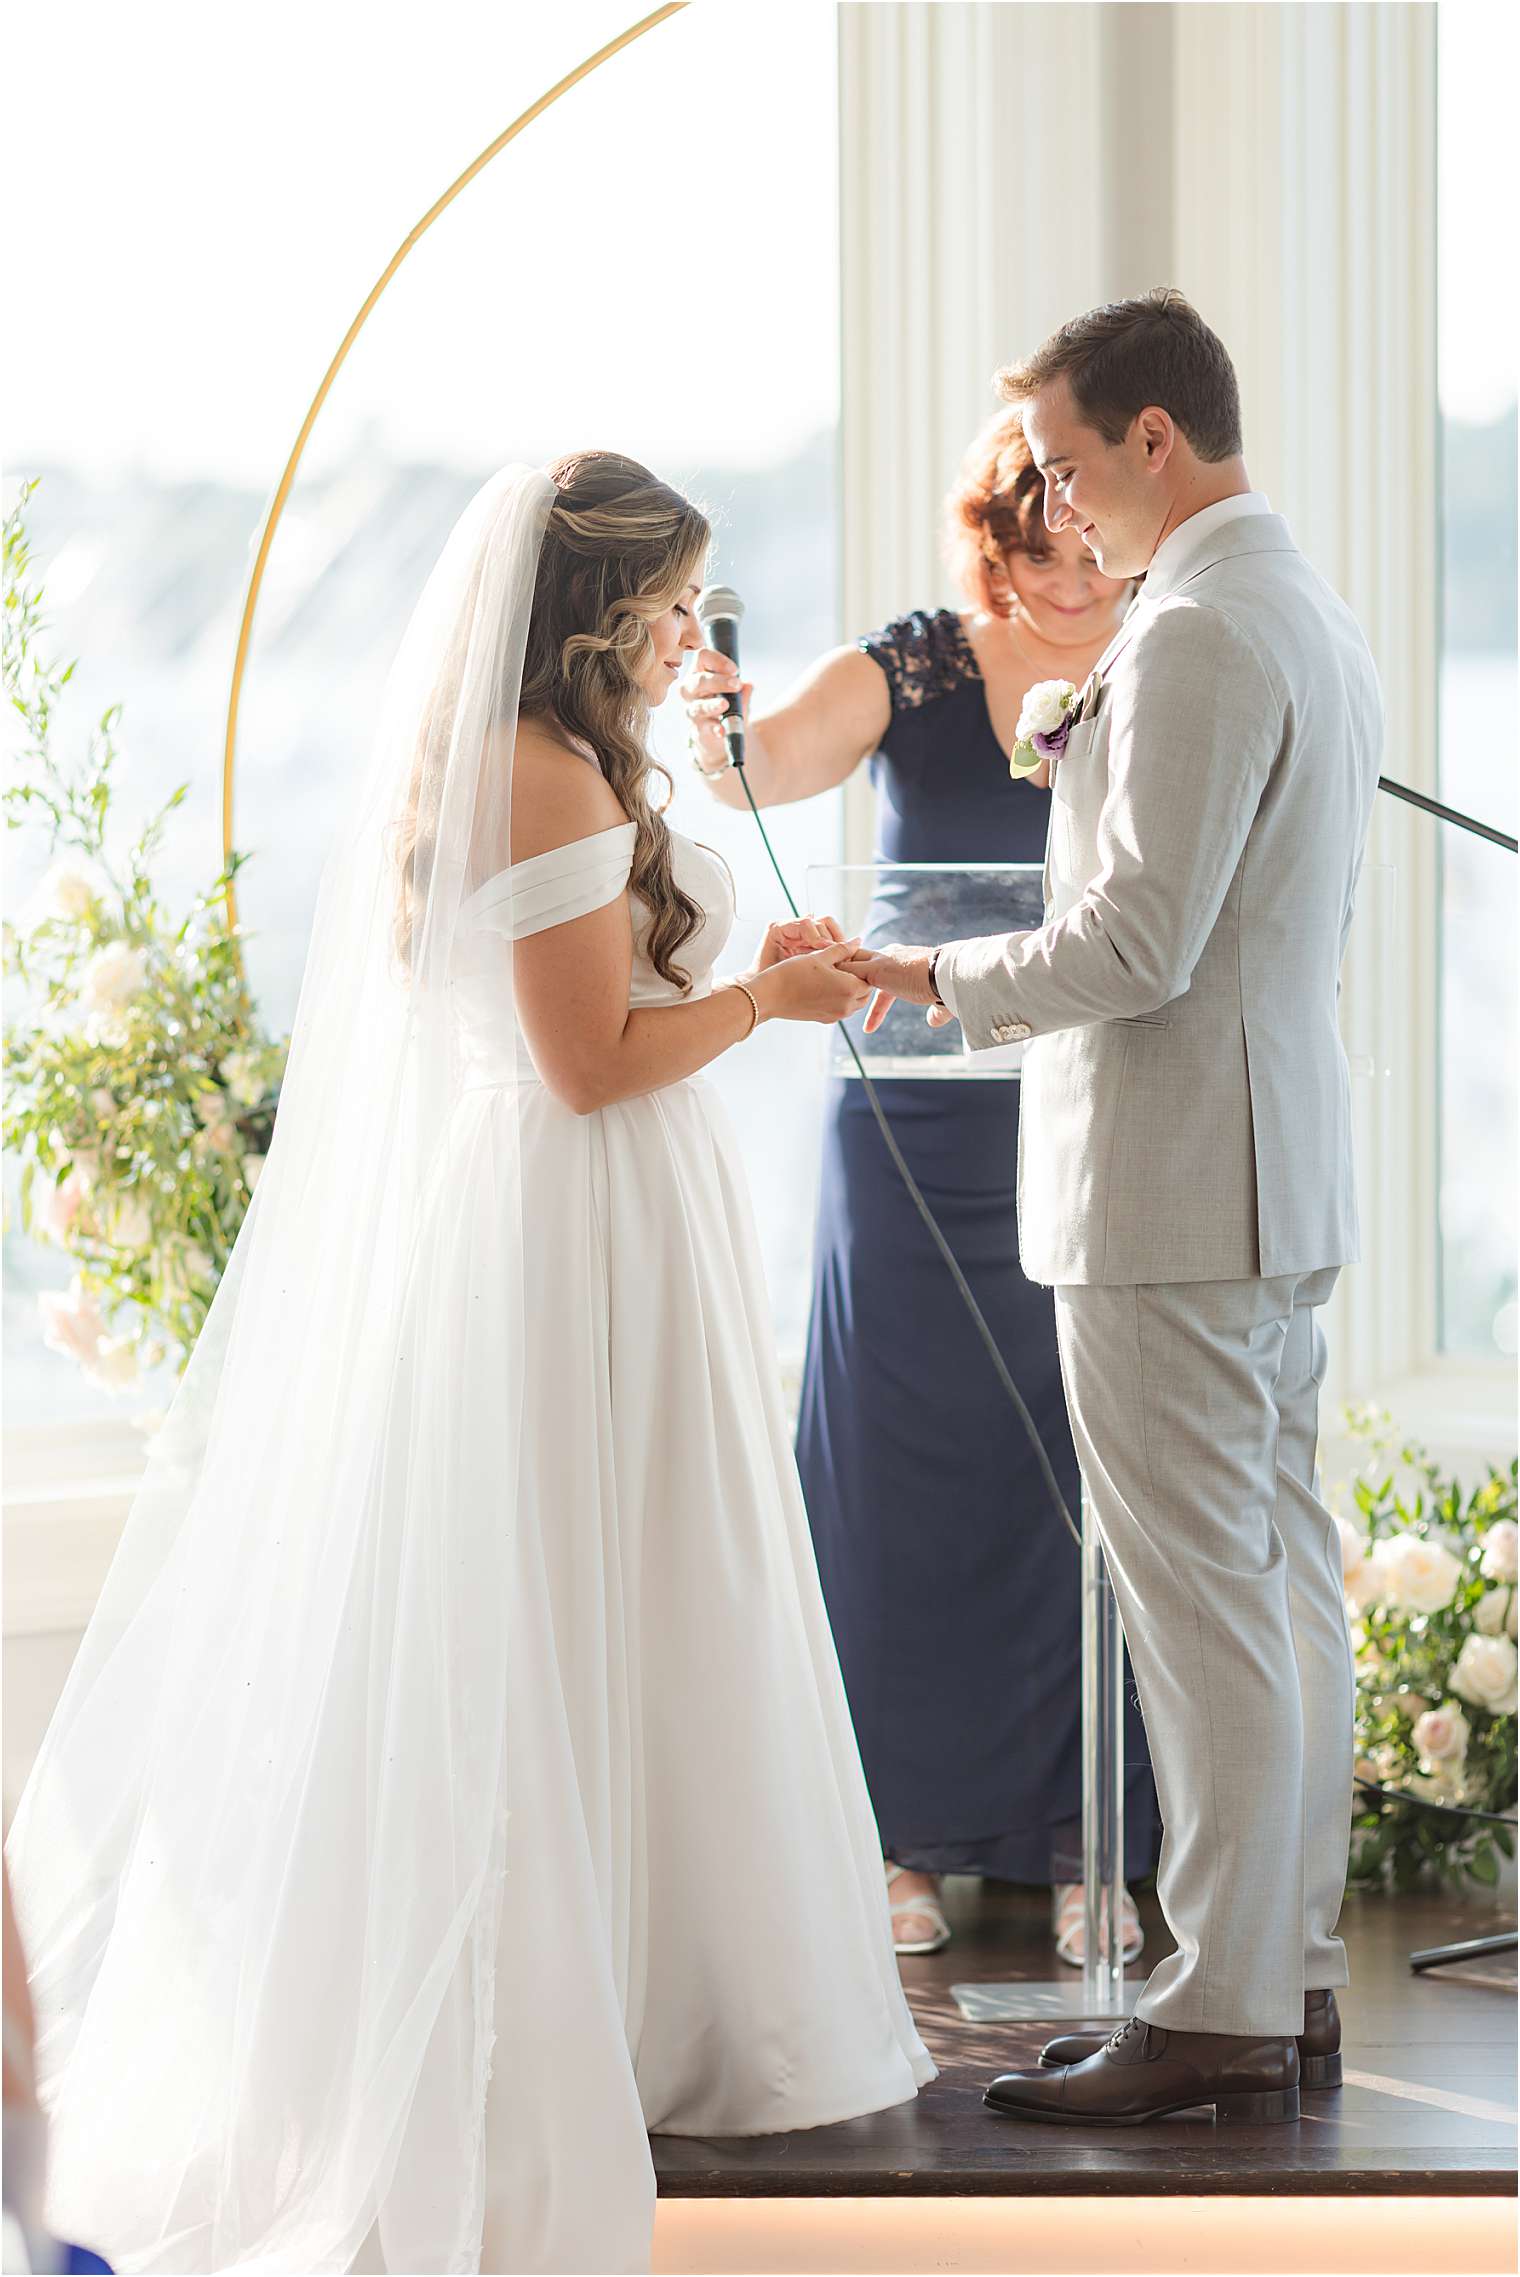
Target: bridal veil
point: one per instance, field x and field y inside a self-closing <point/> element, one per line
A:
<point x="257" y="1866"/>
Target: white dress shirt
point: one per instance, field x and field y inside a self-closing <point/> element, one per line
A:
<point x="1199" y="525"/>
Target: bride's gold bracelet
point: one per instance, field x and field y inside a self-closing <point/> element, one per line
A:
<point x="754" y="1009"/>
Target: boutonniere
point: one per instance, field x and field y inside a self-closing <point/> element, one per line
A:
<point x="1047" y="719"/>
<point x="1051" y="710"/>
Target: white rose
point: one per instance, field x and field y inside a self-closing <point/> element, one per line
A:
<point x="60" y="1206"/>
<point x="1485" y="1674"/>
<point x="1491" y="1612"/>
<point x="1441" y="1735"/>
<point x="1423" y="1577"/>
<point x="112" y="978"/>
<point x="68" y="890"/>
<point x="1501" y="1551"/>
<point x="1372" y="1583"/>
<point x="240" y="1073"/>
<point x="1353" y="1549"/>
<point x="71" y="1323"/>
<point x="1045" y="706"/>
<point x="1509" y="1618"/>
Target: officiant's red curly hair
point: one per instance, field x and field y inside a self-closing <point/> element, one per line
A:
<point x="996" y="508"/>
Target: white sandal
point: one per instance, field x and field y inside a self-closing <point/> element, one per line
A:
<point x="924" y="1909"/>
<point x="1069" y="1919"/>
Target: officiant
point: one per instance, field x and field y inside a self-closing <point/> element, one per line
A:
<point x="952" y="1587"/>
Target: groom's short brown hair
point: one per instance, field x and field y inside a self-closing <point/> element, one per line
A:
<point x="1131" y="353"/>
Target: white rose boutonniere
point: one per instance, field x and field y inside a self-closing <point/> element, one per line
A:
<point x="1047" y="719"/>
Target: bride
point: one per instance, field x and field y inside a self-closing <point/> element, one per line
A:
<point x="455" y="1783"/>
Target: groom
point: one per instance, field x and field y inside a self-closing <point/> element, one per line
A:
<point x="1186" y="1186"/>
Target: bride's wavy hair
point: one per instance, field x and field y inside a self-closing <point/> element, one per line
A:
<point x="620" y="548"/>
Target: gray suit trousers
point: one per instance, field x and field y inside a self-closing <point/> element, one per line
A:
<point x="1195" y="1408"/>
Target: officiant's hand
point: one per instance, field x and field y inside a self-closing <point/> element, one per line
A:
<point x="901" y="976"/>
<point x="795" y="937"/>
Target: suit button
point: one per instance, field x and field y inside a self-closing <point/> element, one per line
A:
<point x="1002" y="1031"/>
<point x="1019" y="1029"/>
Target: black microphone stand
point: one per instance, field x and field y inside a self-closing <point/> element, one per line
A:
<point x="1448" y="813"/>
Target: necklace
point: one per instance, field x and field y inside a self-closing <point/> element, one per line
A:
<point x="1031" y="664"/>
<point x="1003" y="712"/>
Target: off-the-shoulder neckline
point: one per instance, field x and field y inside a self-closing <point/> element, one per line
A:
<point x="550" y="853"/>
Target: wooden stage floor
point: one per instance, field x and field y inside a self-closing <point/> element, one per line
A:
<point x="1428" y="2107"/>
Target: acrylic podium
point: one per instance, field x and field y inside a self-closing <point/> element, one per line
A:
<point x="931" y="902"/>
<point x="928" y="902"/>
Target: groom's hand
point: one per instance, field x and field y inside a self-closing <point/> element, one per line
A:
<point x="897" y="975"/>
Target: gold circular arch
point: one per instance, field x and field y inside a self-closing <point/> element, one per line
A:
<point x="282" y="492"/>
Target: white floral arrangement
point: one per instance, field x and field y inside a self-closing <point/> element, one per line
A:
<point x="1431" y="1575"/>
<point x="140" y="1085"/>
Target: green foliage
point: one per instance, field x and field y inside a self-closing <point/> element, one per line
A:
<point x="1416" y="1615"/>
<point x="140" y="1085"/>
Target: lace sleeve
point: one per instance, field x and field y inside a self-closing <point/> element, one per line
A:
<point x="924" y="656"/>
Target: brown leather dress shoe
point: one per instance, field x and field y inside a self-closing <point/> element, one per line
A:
<point x="1145" y="2072"/>
<point x="1319" y="2044"/>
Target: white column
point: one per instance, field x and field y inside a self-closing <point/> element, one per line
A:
<point x="971" y="223"/>
<point x="1303" y="200"/>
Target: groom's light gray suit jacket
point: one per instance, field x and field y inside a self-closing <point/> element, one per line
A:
<point x="1187" y="1106"/>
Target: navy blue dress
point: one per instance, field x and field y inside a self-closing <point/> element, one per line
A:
<point x="952" y="1586"/>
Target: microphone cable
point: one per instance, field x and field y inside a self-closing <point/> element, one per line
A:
<point x="978" y="1317"/>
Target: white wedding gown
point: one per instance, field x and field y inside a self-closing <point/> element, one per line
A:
<point x="694" y="1934"/>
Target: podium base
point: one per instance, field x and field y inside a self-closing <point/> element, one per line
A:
<point x="1061" y="2002"/>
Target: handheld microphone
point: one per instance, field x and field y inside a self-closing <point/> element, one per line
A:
<point x="719" y="609"/>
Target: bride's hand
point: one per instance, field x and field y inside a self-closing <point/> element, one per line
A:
<point x="795" y="937"/>
<point x="816" y="984"/>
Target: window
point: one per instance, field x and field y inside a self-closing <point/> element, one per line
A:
<point x="642" y="270"/>
<point x="1477" y="379"/>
